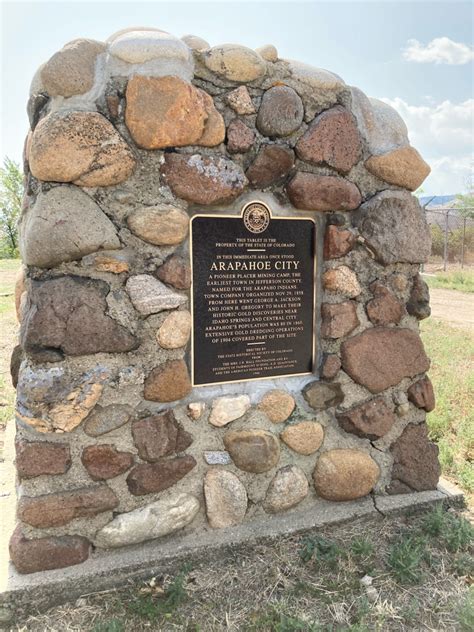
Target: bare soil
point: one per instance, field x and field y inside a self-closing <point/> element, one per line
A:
<point x="453" y="307"/>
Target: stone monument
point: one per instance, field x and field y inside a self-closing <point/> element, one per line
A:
<point x="220" y="302"/>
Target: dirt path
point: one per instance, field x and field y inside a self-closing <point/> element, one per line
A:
<point x="453" y="307"/>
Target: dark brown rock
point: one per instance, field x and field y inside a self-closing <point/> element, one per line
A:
<point x="113" y="105"/>
<point x="54" y="510"/>
<point x="338" y="319"/>
<point x="331" y="366"/>
<point x="176" y="271"/>
<point x="34" y="458"/>
<point x="337" y="242"/>
<point x="70" y="313"/>
<point x="168" y="382"/>
<point x="35" y="106"/>
<point x="45" y="554"/>
<point x="253" y="450"/>
<point x="321" y="396"/>
<point x="203" y="179"/>
<point x="415" y="461"/>
<point x="381" y="357"/>
<point x="384" y="308"/>
<point x="272" y="164"/>
<point x="280" y="113"/>
<point x="105" y="461"/>
<point x="159" y="435"/>
<point x="240" y="138"/>
<point x="154" y="478"/>
<point x="370" y="420"/>
<point x="15" y="362"/>
<point x="311" y="192"/>
<point x="422" y="395"/>
<point x="419" y="302"/>
<point x="332" y="138"/>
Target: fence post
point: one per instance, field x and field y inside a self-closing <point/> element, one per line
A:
<point x="446" y="227"/>
<point x="463" y="240"/>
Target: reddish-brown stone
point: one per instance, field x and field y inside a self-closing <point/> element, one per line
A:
<point x="311" y="192"/>
<point x="203" y="179"/>
<point x="272" y="164"/>
<point x="155" y="477"/>
<point x="159" y="435"/>
<point x="332" y="138"/>
<point x="54" y="510"/>
<point x="240" y="138"/>
<point x="415" y="461"/>
<point x="337" y="242"/>
<point x="381" y="357"/>
<point x="34" y="458"/>
<point x="422" y="395"/>
<point x="105" y="461"/>
<point x="331" y="366"/>
<point x="168" y="382"/>
<point x="70" y="313"/>
<point x="338" y="319"/>
<point x="370" y="420"/>
<point x="176" y="271"/>
<point x="45" y="554"/>
<point x="384" y="308"/>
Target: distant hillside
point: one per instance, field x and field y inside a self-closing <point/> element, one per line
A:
<point x="437" y="200"/>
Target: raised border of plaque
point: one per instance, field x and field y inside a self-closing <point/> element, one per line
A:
<point x="234" y="243"/>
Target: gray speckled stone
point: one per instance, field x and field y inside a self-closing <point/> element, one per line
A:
<point x="63" y="225"/>
<point x="106" y="419"/>
<point x="217" y="457"/>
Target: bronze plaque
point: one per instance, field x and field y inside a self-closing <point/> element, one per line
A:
<point x="252" y="296"/>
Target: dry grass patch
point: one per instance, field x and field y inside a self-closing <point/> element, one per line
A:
<point x="351" y="577"/>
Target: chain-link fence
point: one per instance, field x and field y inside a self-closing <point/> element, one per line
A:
<point x="452" y="235"/>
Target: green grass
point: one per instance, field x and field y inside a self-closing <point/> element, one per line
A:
<point x="451" y="424"/>
<point x="406" y="557"/>
<point x="462" y="280"/>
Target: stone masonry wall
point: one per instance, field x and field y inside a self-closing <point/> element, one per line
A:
<point x="129" y="138"/>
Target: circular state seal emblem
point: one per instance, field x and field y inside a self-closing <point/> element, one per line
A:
<point x="256" y="217"/>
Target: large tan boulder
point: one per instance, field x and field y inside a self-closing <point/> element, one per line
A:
<point x="71" y="70"/>
<point x="403" y="167"/>
<point x="345" y="474"/>
<point x="80" y="147"/>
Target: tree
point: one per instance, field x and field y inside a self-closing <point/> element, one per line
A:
<point x="11" y="192"/>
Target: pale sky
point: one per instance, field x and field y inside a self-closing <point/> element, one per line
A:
<point x="416" y="55"/>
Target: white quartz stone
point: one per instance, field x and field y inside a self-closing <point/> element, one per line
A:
<point x="381" y="125"/>
<point x="227" y="409"/>
<point x="137" y="47"/>
<point x="150" y="296"/>
<point x="316" y="78"/>
<point x="153" y="521"/>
